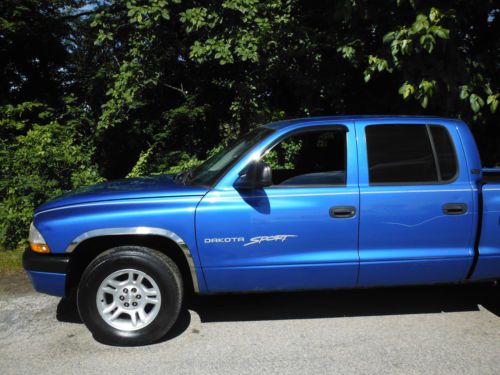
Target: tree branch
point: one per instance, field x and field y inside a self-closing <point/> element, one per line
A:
<point x="82" y="14"/>
<point x="179" y="89"/>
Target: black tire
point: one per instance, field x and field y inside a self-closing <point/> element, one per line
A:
<point x="155" y="264"/>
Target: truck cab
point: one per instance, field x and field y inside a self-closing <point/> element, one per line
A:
<point x="317" y="203"/>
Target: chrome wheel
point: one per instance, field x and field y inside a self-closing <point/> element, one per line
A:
<point x="128" y="300"/>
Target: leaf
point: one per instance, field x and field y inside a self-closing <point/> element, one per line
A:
<point x="427" y="86"/>
<point x="389" y="37"/>
<point x="406" y="90"/>
<point x="434" y="15"/>
<point x="440" y="32"/>
<point x="348" y="52"/>
<point x="428" y="42"/>
<point x="420" y="24"/>
<point x="492" y="101"/>
<point x="464" y="92"/>
<point x="476" y="102"/>
<point x="405" y="46"/>
<point x="424" y="101"/>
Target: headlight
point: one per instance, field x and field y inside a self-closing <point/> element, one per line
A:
<point x="37" y="243"/>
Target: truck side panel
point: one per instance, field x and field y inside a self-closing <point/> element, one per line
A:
<point x="405" y="235"/>
<point x="175" y="214"/>
<point x="317" y="252"/>
<point x="488" y="263"/>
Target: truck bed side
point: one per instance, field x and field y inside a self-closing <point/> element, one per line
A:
<point x="488" y="263"/>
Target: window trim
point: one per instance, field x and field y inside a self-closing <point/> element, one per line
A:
<point x="310" y="129"/>
<point x="434" y="155"/>
<point x="455" y="154"/>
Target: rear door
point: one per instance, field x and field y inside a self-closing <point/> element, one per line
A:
<point x="416" y="204"/>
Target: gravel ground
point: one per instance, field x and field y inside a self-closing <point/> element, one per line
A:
<point x="424" y="330"/>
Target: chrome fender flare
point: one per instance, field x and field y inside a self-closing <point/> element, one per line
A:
<point x="137" y="231"/>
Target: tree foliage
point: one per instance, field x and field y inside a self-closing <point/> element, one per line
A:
<point x="46" y="154"/>
<point x="101" y="89"/>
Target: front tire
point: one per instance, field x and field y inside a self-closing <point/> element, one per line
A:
<point x="130" y="295"/>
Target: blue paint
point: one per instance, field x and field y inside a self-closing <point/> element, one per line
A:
<point x="488" y="264"/>
<point x="48" y="283"/>
<point x="399" y="234"/>
<point x="132" y="188"/>
<point x="404" y="229"/>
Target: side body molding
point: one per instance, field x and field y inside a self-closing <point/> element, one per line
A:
<point x="140" y="231"/>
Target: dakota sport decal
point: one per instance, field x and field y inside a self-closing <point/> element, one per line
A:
<point x="253" y="241"/>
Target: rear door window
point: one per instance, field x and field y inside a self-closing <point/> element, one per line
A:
<point x="400" y="154"/>
<point x="409" y="154"/>
<point x="445" y="152"/>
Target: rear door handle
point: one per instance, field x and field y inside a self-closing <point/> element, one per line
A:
<point x="454" y="208"/>
<point x="342" y="212"/>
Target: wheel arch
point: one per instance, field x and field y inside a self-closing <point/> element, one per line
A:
<point x="84" y="248"/>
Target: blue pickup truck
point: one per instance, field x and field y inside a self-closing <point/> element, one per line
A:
<point x="329" y="202"/>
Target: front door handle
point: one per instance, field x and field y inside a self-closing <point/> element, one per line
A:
<point x="342" y="212"/>
<point x="454" y="208"/>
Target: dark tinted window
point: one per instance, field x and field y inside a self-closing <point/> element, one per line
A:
<point x="311" y="158"/>
<point x="445" y="152"/>
<point x="400" y="154"/>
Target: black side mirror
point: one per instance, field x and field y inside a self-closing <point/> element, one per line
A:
<point x="255" y="176"/>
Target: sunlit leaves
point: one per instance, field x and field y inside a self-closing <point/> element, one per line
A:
<point x="406" y="90"/>
<point x="428" y="42"/>
<point x="492" y="101"/>
<point x="435" y="15"/>
<point x="464" y="92"/>
<point x="440" y="32"/>
<point x="143" y="14"/>
<point x="425" y="92"/>
<point x="234" y="31"/>
<point x="51" y="156"/>
<point x="348" y="52"/>
<point x="246" y="48"/>
<point x="375" y="64"/>
<point x="425" y="40"/>
<point x="197" y="18"/>
<point x="476" y="102"/>
<point x="420" y="24"/>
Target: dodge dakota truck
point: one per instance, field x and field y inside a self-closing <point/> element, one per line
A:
<point x="329" y="202"/>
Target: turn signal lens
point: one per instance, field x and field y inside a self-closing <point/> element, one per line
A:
<point x="39" y="248"/>
<point x="37" y="242"/>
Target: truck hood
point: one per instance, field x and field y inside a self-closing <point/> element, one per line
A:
<point x="130" y="188"/>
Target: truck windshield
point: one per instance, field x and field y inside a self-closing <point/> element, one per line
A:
<point x="214" y="167"/>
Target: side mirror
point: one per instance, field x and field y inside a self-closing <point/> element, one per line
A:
<point x="255" y="176"/>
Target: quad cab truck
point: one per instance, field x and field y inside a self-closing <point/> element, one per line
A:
<point x="317" y="203"/>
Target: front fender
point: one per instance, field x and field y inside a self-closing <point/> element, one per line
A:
<point x="171" y="217"/>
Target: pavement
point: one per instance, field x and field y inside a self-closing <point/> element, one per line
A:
<point x="418" y="330"/>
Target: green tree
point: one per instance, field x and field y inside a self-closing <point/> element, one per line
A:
<point x="102" y="89"/>
<point x="50" y="155"/>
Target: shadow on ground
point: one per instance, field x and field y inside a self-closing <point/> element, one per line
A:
<point x="326" y="304"/>
<point x="347" y="303"/>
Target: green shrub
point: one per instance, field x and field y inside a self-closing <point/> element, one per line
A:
<point x="49" y="154"/>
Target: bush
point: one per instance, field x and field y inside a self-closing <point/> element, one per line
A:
<point x="49" y="153"/>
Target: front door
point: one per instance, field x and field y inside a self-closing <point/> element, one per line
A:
<point x="299" y="233"/>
